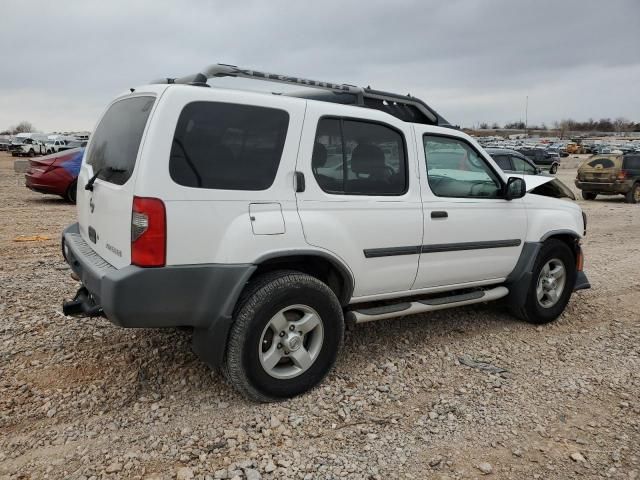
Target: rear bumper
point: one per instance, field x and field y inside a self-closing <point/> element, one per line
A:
<point x="198" y="296"/>
<point x="602" y="187"/>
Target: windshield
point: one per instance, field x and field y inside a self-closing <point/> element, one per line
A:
<point x="115" y="143"/>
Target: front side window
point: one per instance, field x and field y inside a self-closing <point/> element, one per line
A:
<point x="353" y="157"/>
<point x="522" y="166"/>
<point x="455" y="169"/>
<point x="227" y="146"/>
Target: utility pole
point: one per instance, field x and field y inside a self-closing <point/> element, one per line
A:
<point x="526" y="117"/>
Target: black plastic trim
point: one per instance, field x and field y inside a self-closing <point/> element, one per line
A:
<point x="391" y="251"/>
<point x="383" y="309"/>
<point x="463" y="297"/>
<point x="454" y="247"/>
<point x="437" y="248"/>
<point x="582" y="282"/>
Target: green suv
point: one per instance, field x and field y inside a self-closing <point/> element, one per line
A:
<point x="610" y="175"/>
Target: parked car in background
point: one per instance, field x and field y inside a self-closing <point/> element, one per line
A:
<point x="512" y="161"/>
<point x="71" y="144"/>
<point x="54" y="146"/>
<point x="28" y="147"/>
<point x="610" y="175"/>
<point x="541" y="157"/>
<point x="56" y="174"/>
<point x="4" y="144"/>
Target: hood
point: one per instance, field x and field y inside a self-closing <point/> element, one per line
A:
<point x="534" y="181"/>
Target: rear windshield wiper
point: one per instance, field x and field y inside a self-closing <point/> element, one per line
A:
<point x="89" y="185"/>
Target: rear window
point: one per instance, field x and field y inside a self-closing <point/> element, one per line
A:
<point x="115" y="143"/>
<point x="602" y="163"/>
<point x="631" y="162"/>
<point x="227" y="146"/>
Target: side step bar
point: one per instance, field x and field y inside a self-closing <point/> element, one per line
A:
<point x="428" y="305"/>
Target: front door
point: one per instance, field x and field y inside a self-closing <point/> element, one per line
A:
<point x="471" y="233"/>
<point x="361" y="200"/>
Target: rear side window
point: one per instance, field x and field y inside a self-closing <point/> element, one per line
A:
<point x="115" y="143"/>
<point x="227" y="146"/>
<point x="631" y="162"/>
<point x="353" y="157"/>
<point x="602" y="163"/>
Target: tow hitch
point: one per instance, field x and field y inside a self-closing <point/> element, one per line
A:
<point x="82" y="305"/>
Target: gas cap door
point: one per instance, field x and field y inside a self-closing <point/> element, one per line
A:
<point x="266" y="218"/>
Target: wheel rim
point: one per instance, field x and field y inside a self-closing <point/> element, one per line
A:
<point x="551" y="283"/>
<point x="291" y="342"/>
<point x="636" y="193"/>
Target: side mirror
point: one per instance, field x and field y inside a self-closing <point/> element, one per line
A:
<point x="516" y="188"/>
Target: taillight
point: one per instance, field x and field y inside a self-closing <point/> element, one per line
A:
<point x="622" y="174"/>
<point x="148" y="232"/>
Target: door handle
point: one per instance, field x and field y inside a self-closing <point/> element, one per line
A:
<point x="439" y="214"/>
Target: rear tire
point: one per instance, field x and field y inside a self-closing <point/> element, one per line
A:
<point x="552" y="282"/>
<point x="272" y="352"/>
<point x="633" y="195"/>
<point x="589" y="195"/>
<point x="71" y="192"/>
<point x="32" y="153"/>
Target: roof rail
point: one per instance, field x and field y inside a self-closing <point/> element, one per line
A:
<point x="405" y="107"/>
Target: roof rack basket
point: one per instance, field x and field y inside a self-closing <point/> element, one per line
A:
<point x="404" y="107"/>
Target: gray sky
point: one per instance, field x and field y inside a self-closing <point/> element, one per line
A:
<point x="473" y="61"/>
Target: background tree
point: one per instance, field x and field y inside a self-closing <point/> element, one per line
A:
<point x="23" y="127"/>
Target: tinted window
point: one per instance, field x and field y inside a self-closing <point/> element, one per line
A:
<point x="115" y="143"/>
<point x="602" y="163"/>
<point x="522" y="166"/>
<point x="227" y="146"/>
<point x="359" y="158"/>
<point x="503" y="161"/>
<point x="631" y="162"/>
<point x="454" y="169"/>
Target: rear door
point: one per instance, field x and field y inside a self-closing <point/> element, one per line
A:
<point x="104" y="210"/>
<point x="362" y="197"/>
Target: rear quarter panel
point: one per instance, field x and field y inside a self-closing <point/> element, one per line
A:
<point x="210" y="225"/>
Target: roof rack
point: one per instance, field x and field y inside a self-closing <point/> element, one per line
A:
<point x="404" y="107"/>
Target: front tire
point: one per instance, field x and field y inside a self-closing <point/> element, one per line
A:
<point x="288" y="328"/>
<point x="589" y="195"/>
<point x="554" y="169"/>
<point x="633" y="195"/>
<point x="552" y="281"/>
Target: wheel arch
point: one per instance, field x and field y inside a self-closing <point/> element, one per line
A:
<point x="319" y="264"/>
<point x="569" y="237"/>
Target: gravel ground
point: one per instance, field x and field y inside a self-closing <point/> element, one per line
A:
<point x="85" y="399"/>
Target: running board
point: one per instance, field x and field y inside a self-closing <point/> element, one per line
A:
<point x="428" y="305"/>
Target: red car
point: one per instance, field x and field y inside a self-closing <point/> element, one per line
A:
<point x="55" y="174"/>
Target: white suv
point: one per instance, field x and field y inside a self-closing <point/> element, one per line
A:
<point x="269" y="221"/>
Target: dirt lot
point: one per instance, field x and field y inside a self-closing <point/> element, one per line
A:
<point x="85" y="399"/>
